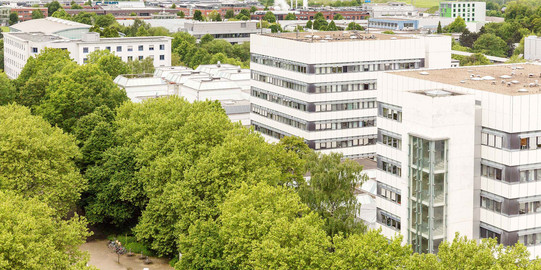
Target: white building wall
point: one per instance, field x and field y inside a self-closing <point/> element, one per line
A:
<point x="532" y="48"/>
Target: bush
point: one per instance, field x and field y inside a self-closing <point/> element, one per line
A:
<point x="131" y="244"/>
<point x="388" y="32"/>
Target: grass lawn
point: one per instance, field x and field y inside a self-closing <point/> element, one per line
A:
<point x="4" y="28"/>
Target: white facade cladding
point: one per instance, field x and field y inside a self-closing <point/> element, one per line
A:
<point x="462" y="148"/>
<point x="532" y="48"/>
<point x="20" y="46"/>
<point x="234" y="32"/>
<point x="324" y="88"/>
<point x="469" y="11"/>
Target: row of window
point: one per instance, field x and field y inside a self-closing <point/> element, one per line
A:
<point x="530" y="239"/>
<point x="279" y="63"/>
<point x="279" y="99"/>
<point x="279" y="81"/>
<point x="525" y="176"/>
<point x="529" y="207"/>
<point x="491" y="204"/>
<point x="279" y="117"/>
<point x="389" y="166"/>
<point x="389" y="111"/>
<point x="368" y="66"/>
<point x="391" y="141"/>
<point x="129" y="48"/>
<point x="345" y="87"/>
<point x="486" y="233"/>
<point x="345" y="142"/>
<point x="365" y="104"/>
<point x="388" y="219"/>
<point x="491" y="172"/>
<point x="346" y="124"/>
<point x="267" y="131"/>
<point x="491" y="140"/>
<point x="530" y="143"/>
<point x="389" y="193"/>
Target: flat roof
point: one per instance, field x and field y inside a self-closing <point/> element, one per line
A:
<point x="36" y="36"/>
<point x="507" y="79"/>
<point x="49" y="25"/>
<point x="334" y="36"/>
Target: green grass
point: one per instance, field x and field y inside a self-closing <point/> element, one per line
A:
<point x="4" y="28"/>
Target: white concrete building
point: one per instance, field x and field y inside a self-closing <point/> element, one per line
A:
<point x="459" y="150"/>
<point x="377" y="10"/>
<point x="225" y="83"/>
<point x="532" y="48"/>
<point x="469" y="11"/>
<point x="52" y="26"/>
<point x="235" y="32"/>
<point x="19" y="46"/>
<point x="323" y="88"/>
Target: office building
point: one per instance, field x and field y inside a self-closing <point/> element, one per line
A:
<point x="19" y="46"/>
<point x="4" y="15"/>
<point x="323" y="88"/>
<point x="469" y="11"/>
<point x="235" y="32"/>
<point x="467" y="160"/>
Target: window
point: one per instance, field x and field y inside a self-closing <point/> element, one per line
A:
<point x="389" y="166"/>
<point x="130" y="58"/>
<point x="490" y="233"/>
<point x="140" y="57"/>
<point x="96" y="48"/>
<point x="85" y="60"/>
<point x="491" y="202"/>
<point x="130" y="48"/>
<point x="390" y="111"/>
<point x="150" y="47"/>
<point x="162" y="57"/>
<point x="524" y="143"/>
<point x="85" y="49"/>
<point x="389" y="193"/>
<point x="141" y="48"/>
<point x="392" y="140"/>
<point x="529" y="207"/>
<point x="388" y="219"/>
<point x="34" y="50"/>
<point x="108" y="48"/>
<point x="118" y="48"/>
<point x="491" y="172"/>
<point x="162" y="47"/>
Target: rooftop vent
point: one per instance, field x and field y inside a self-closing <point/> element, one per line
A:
<point x="488" y="78"/>
<point x="438" y="93"/>
<point x="514" y="82"/>
<point x="423" y="73"/>
<point x="522" y="90"/>
<point x="506" y="77"/>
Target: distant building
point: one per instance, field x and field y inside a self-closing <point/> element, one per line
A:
<point x="225" y="83"/>
<point x="25" y="13"/>
<point x="393" y="24"/>
<point x="469" y="11"/>
<point x="390" y="9"/>
<point x="22" y="44"/>
<point x="532" y="48"/>
<point x="4" y="15"/>
<point x="235" y="32"/>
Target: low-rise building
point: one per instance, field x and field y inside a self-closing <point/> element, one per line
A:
<point x="52" y="26"/>
<point x="235" y="32"/>
<point x="25" y="13"/>
<point x="377" y="10"/>
<point x="393" y="24"/>
<point x="19" y="46"/>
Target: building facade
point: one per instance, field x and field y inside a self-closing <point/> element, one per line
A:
<point x="25" y="13"/>
<point x="19" y="46"/>
<point x="235" y="32"/>
<point x="390" y="9"/>
<point x="468" y="160"/>
<point x="469" y="11"/>
<point x="323" y="88"/>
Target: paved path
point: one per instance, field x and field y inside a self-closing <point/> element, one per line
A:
<point x="105" y="259"/>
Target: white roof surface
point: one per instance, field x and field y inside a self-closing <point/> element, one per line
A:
<point x="49" y="25"/>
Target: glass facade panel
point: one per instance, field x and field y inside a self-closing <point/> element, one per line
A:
<point x="427" y="194"/>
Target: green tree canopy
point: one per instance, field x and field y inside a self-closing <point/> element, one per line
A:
<point x="37" y="14"/>
<point x="33" y="237"/>
<point x="269" y="17"/>
<point x="181" y="14"/>
<point x="7" y="90"/>
<point x="490" y="44"/>
<point x="457" y="26"/>
<point x="354" y="26"/>
<point x="13" y="18"/>
<point x="338" y="16"/>
<point x="329" y="192"/>
<point x="198" y="16"/>
<point x="76" y="92"/>
<point x="290" y="17"/>
<point x="53" y="7"/>
<point x="142" y="32"/>
<point x="76" y="6"/>
<point x="229" y="14"/>
<point x="105" y="20"/>
<point x="61" y="14"/>
<point x="36" y="160"/>
<point x="108" y="62"/>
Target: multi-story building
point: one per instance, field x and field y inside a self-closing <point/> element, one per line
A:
<point x="323" y="87"/>
<point x="469" y="11"/>
<point x="52" y="26"/>
<point x="19" y="46"/>
<point x="532" y="48"/>
<point x="235" y="32"/>
<point x="459" y="150"/>
<point x="25" y="13"/>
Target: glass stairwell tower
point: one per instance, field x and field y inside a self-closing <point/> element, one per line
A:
<point x="427" y="193"/>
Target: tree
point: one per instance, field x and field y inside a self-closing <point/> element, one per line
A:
<point x="475" y="59"/>
<point x="7" y="90"/>
<point x="108" y="62"/>
<point x="332" y="26"/>
<point x="181" y="14"/>
<point x="84" y="17"/>
<point x="76" y="92"/>
<point x="309" y="24"/>
<point x="468" y="38"/>
<point x="275" y="28"/>
<point x="457" y="26"/>
<point x="490" y="44"/>
<point x="260" y="227"/>
<point x="61" y="14"/>
<point x="173" y="5"/>
<point x="215" y="16"/>
<point x="104" y="20"/>
<point x="37" y="14"/>
<point x="141" y="66"/>
<point x="53" y="7"/>
<point x="34" y="77"/>
<point x="464" y="253"/>
<point x="13" y="18"/>
<point x="269" y="17"/>
<point x="290" y="17"/>
<point x="330" y="192"/>
<point x="229" y="14"/>
<point x="439" y="30"/>
<point x="1" y="51"/>
<point x="253" y="9"/>
<point x="76" y="6"/>
<point x="36" y="160"/>
<point x="198" y="16"/>
<point x="33" y="237"/>
<point x="354" y="26"/>
<point x="369" y="250"/>
<point x="337" y="16"/>
<point x="142" y="32"/>
<point x="206" y="39"/>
